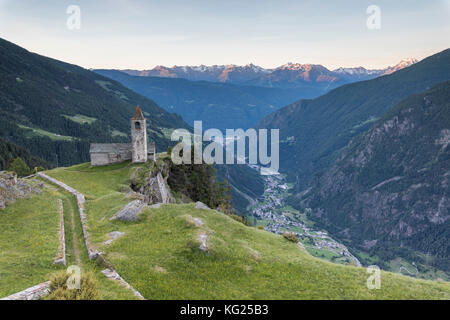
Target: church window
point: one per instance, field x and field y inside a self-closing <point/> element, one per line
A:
<point x="137" y="125"/>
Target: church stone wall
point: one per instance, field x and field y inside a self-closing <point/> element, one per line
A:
<point x="99" y="159"/>
<point x="103" y="154"/>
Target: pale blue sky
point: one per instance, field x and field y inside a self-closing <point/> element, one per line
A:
<point x="141" y="34"/>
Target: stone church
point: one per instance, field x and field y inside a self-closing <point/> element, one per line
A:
<point x="137" y="151"/>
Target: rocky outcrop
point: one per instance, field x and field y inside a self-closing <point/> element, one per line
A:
<point x="157" y="190"/>
<point x="151" y="182"/>
<point x="13" y="188"/>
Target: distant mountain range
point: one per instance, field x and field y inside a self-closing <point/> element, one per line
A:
<point x="290" y="75"/>
<point x="312" y="131"/>
<point x="237" y="96"/>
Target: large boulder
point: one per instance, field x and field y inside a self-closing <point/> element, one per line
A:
<point x="130" y="212"/>
<point x="201" y="205"/>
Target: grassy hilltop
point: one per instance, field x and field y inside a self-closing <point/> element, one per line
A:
<point x="160" y="256"/>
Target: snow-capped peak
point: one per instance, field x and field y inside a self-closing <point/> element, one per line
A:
<point x="405" y="62"/>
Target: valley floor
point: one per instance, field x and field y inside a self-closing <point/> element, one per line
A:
<point x="272" y="212"/>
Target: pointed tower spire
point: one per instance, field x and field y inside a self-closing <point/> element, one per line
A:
<point x="137" y="115"/>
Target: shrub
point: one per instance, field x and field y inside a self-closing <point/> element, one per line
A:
<point x="19" y="167"/>
<point x="59" y="290"/>
<point x="124" y="188"/>
<point x="290" y="236"/>
<point x="260" y="227"/>
<point x="38" y="169"/>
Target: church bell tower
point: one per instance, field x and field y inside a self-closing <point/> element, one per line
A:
<point x="138" y="137"/>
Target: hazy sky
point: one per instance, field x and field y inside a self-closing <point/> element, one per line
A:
<point x="141" y="34"/>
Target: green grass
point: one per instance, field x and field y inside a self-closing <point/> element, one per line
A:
<point x="29" y="241"/>
<point x="160" y="255"/>
<point x="295" y="229"/>
<point x="322" y="253"/>
<point x="106" y="85"/>
<point x="263" y="222"/>
<point x="117" y="133"/>
<point x="44" y="133"/>
<point x="167" y="132"/>
<point x="80" y="118"/>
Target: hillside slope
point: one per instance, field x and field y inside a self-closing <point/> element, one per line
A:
<point x="312" y="131"/>
<point x="390" y="186"/>
<point x="55" y="109"/>
<point x="160" y="254"/>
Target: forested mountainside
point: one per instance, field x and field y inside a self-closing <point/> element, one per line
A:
<point x="55" y="109"/>
<point x="218" y="105"/>
<point x="10" y="151"/>
<point x="390" y="187"/>
<point x="246" y="184"/>
<point x="313" y="131"/>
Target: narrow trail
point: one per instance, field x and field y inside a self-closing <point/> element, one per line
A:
<point x="77" y="244"/>
<point x="75" y="240"/>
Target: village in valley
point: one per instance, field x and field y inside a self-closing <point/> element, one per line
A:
<point x="272" y="212"/>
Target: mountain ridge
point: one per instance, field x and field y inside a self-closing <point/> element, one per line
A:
<point x="312" y="131"/>
<point x="253" y="74"/>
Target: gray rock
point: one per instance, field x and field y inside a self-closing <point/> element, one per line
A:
<point x="135" y="195"/>
<point x="34" y="293"/>
<point x="203" y="239"/>
<point x="198" y="222"/>
<point x="113" y="236"/>
<point x="156" y="205"/>
<point x="201" y="205"/>
<point x="130" y="212"/>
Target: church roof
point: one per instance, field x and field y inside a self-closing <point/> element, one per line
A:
<point x="110" y="147"/>
<point x="118" y="147"/>
<point x="137" y="115"/>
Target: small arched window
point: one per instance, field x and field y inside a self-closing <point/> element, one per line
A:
<point x="137" y="125"/>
